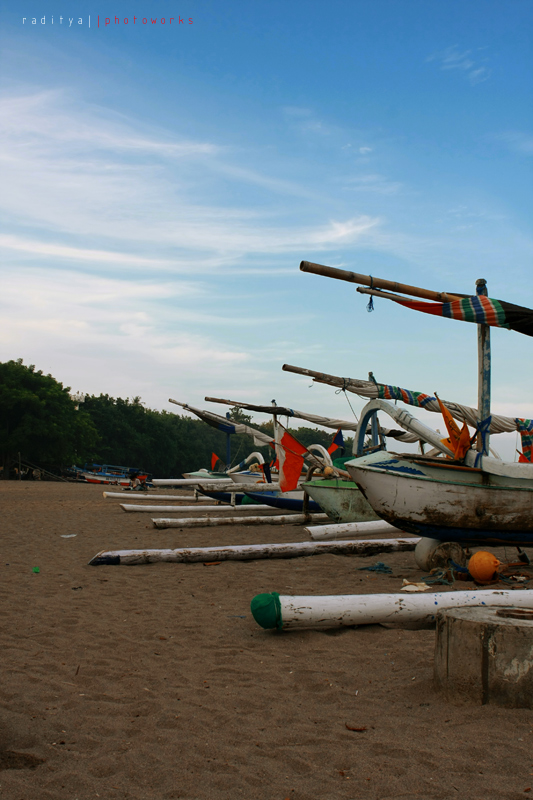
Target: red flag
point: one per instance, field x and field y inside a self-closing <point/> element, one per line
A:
<point x="336" y="442"/>
<point x="291" y="458"/>
<point x="214" y="459"/>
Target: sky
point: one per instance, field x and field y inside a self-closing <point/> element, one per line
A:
<point x="161" y="182"/>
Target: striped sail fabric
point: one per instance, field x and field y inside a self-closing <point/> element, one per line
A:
<point x="387" y="392"/>
<point x="481" y="310"/>
<point x="525" y="428"/>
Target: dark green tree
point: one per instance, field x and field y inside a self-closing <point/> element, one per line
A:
<point x="39" y="420"/>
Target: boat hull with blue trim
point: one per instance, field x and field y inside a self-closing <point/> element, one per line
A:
<point x="447" y="500"/>
<point x="288" y="501"/>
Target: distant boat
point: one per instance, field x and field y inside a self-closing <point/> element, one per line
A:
<point x="111" y="475"/>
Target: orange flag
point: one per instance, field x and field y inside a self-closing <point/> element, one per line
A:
<point x="459" y="439"/>
<point x="291" y="458"/>
<point x="214" y="459"/>
<point x="464" y="443"/>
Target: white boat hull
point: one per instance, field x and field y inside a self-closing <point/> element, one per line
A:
<point x="449" y="502"/>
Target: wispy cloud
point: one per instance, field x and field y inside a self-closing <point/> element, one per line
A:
<point x="306" y="121"/>
<point x="466" y="62"/>
<point x="79" y="126"/>
<point x="376" y="184"/>
<point x="67" y="171"/>
<point x="516" y="141"/>
<point x="54" y="250"/>
<point x="57" y="311"/>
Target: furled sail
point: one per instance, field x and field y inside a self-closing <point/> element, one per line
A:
<point x="324" y="422"/>
<point x="383" y="391"/>
<point x="227" y="425"/>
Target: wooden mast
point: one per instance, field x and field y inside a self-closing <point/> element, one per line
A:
<point x="484" y="373"/>
<point x="377" y="283"/>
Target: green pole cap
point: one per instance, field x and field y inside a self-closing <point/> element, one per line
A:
<point x="266" y="610"/>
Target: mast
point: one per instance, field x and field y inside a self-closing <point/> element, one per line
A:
<point x="483" y="386"/>
<point x="228" y="444"/>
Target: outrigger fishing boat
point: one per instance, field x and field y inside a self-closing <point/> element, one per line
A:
<point x="463" y="495"/>
<point x="287" y="500"/>
<point x="111" y="475"/>
<point x="336" y="493"/>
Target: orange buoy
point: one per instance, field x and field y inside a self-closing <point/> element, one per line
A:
<point x="482" y="566"/>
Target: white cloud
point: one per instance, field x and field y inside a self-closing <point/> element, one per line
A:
<point x="79" y="126"/>
<point x="463" y="61"/>
<point x="54" y="250"/>
<point x="65" y="171"/>
<point x="516" y="141"/>
<point x="376" y="184"/>
<point x="96" y="330"/>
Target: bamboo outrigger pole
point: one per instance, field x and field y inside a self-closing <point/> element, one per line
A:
<point x="377" y="283"/>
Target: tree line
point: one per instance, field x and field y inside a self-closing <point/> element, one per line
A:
<point x="43" y="426"/>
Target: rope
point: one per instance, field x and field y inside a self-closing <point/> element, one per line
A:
<point x="449" y="575"/>
<point x="444" y="576"/>
<point x="370" y="306"/>
<point x="378" y="567"/>
<point x="483" y="429"/>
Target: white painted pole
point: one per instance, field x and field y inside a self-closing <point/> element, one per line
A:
<point x="246" y="552"/>
<point x="208" y="480"/>
<point x="218" y="509"/>
<point x="206" y="522"/>
<point x="343" y="529"/>
<point x="141" y="496"/>
<point x="333" y="611"/>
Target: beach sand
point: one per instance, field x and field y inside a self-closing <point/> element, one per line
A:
<point x="154" y="681"/>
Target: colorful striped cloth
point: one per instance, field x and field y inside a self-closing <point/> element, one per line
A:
<point x="525" y="428"/>
<point x="386" y="392"/>
<point x="481" y="310"/>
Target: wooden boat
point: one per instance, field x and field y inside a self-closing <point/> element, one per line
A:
<point x="477" y="499"/>
<point x="289" y="501"/>
<point x="112" y="475"/>
<point x="448" y="500"/>
<point x="339" y="497"/>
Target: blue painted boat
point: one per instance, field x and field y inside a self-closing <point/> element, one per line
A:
<point x="286" y="501"/>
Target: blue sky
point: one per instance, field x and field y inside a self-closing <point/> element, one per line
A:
<point x="161" y="184"/>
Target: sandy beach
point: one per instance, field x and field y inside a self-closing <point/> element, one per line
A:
<point x="154" y="681"/>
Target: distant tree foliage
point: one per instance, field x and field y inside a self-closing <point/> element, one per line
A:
<point x="39" y="419"/>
